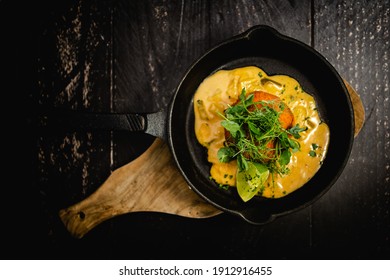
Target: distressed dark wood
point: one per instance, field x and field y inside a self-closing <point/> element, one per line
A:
<point x="352" y="220"/>
<point x="126" y="56"/>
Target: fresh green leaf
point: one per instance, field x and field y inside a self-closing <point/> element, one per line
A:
<point x="231" y="126"/>
<point x="243" y="94"/>
<point x="284" y="141"/>
<point x="260" y="167"/>
<point x="251" y="180"/>
<point x="249" y="100"/>
<point x="254" y="128"/>
<point x="294" y="145"/>
<point x="257" y="135"/>
<point x="285" y="157"/>
<point x="295" y="130"/>
<point x="242" y="162"/>
<point x="225" y="154"/>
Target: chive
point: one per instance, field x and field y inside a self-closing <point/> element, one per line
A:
<point x="312" y="153"/>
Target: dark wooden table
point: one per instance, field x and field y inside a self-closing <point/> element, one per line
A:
<point x="129" y="56"/>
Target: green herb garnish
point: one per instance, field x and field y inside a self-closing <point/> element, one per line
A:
<point x="255" y="135"/>
<point x="312" y="152"/>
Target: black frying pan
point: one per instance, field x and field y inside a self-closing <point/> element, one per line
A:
<point x="280" y="55"/>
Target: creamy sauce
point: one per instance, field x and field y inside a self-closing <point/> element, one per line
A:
<point x="223" y="88"/>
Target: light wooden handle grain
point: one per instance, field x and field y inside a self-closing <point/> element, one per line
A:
<point x="149" y="183"/>
<point x="358" y="108"/>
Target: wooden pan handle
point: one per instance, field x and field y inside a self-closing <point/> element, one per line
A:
<point x="358" y="108"/>
<point x="149" y="183"/>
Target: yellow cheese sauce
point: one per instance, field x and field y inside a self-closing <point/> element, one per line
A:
<point x="223" y="88"/>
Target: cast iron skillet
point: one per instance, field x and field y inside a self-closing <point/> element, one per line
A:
<point x="275" y="53"/>
<point x="279" y="55"/>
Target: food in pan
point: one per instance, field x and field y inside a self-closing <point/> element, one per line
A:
<point x="264" y="134"/>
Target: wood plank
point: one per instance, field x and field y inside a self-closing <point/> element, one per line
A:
<point x="74" y="72"/>
<point x="351" y="221"/>
<point x="155" y="42"/>
<point x="184" y="31"/>
<point x="143" y="35"/>
<point x="74" y="57"/>
<point x="147" y="46"/>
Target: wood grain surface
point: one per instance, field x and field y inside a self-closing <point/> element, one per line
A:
<point x="151" y="182"/>
<point x="126" y="56"/>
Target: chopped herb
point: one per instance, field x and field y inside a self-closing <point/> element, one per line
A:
<point x="223" y="186"/>
<point x="283" y="89"/>
<point x="314" y="147"/>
